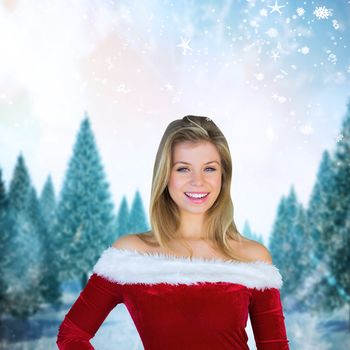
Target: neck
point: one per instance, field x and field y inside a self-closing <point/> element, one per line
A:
<point x="191" y="227"/>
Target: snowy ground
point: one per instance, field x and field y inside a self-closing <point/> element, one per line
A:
<point x="305" y="332"/>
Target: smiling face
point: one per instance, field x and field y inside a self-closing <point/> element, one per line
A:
<point x="196" y="169"/>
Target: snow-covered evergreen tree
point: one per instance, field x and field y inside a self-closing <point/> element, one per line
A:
<point x="137" y="219"/>
<point x="4" y="240"/>
<point x="282" y="241"/>
<point x="84" y="226"/>
<point x="301" y="243"/>
<point x="3" y="197"/>
<point x="50" y="284"/>
<point x="19" y="186"/>
<point x="340" y="257"/>
<point x="22" y="271"/>
<point x="320" y="291"/>
<point x="48" y="201"/>
<point x="122" y="218"/>
<point x="277" y="238"/>
<point x="248" y="233"/>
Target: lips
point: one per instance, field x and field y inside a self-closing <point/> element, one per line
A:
<point x="206" y="194"/>
<point x="197" y="201"/>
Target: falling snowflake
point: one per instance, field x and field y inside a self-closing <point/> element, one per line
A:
<point x="306" y="129"/>
<point x="300" y="11"/>
<point x="254" y="24"/>
<point x="322" y="12"/>
<point x="304" y="50"/>
<point x="276" y="8"/>
<point x="263" y="12"/>
<point x="279" y="98"/>
<point x="275" y="55"/>
<point x="272" y="32"/>
<point x="184" y="45"/>
<point x="335" y="24"/>
<point x="168" y="87"/>
<point x="122" y="88"/>
<point x="331" y="57"/>
<point x="259" y="76"/>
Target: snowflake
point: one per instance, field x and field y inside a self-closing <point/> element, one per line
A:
<point x="122" y="88"/>
<point x="331" y="57"/>
<point x="306" y="129"/>
<point x="168" y="87"/>
<point x="300" y="11"/>
<point x="335" y="24"/>
<point x="184" y="45"/>
<point x="276" y="8"/>
<point x="259" y="76"/>
<point x="272" y="32"/>
<point x="322" y="12"/>
<point x="304" y="50"/>
<point x="275" y="55"/>
<point x="263" y="12"/>
<point x="254" y="23"/>
<point x="280" y="99"/>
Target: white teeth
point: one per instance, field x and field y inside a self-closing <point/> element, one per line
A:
<point x="196" y="195"/>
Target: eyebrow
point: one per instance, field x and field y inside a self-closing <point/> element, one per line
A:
<point x="212" y="161"/>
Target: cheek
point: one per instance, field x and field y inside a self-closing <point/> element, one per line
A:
<point x="216" y="182"/>
<point x="174" y="182"/>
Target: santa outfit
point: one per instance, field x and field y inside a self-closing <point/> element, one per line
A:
<point x="180" y="303"/>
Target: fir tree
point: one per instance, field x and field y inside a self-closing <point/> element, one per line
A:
<point x="299" y="256"/>
<point x="340" y="257"/>
<point x="22" y="272"/>
<point x="248" y="233"/>
<point x="84" y="214"/>
<point x="4" y="241"/>
<point x="282" y="240"/>
<point x="122" y="219"/>
<point x="19" y="186"/>
<point x="137" y="218"/>
<point x="50" y="284"/>
<point x="3" y="197"/>
<point x="322" y="292"/>
<point x="48" y="201"/>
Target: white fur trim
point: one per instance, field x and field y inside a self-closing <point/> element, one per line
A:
<point x="132" y="266"/>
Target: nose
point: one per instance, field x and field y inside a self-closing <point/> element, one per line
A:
<point x="197" y="178"/>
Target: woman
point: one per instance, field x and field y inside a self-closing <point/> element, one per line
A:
<point x="180" y="301"/>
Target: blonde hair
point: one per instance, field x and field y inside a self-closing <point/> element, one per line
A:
<point x="164" y="214"/>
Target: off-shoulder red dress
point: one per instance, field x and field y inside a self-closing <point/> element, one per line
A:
<point x="179" y="303"/>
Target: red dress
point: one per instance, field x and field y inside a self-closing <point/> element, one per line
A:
<point x="179" y="303"/>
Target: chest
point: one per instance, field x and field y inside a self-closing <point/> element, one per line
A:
<point x="200" y="249"/>
<point x="217" y="305"/>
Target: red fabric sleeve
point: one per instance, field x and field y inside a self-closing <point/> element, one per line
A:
<point x="88" y="312"/>
<point x="267" y="319"/>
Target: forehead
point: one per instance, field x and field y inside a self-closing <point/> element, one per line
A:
<point x="189" y="150"/>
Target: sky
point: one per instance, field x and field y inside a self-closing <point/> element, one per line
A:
<point x="273" y="75"/>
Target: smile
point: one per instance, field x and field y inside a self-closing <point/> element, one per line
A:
<point x="197" y="197"/>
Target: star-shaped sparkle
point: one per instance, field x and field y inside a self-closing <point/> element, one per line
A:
<point x="184" y="45"/>
<point x="275" y="55"/>
<point x="276" y="7"/>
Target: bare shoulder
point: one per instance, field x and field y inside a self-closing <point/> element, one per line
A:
<point x="129" y="241"/>
<point x="257" y="251"/>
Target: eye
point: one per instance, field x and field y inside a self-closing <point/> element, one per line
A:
<point x="212" y="169"/>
